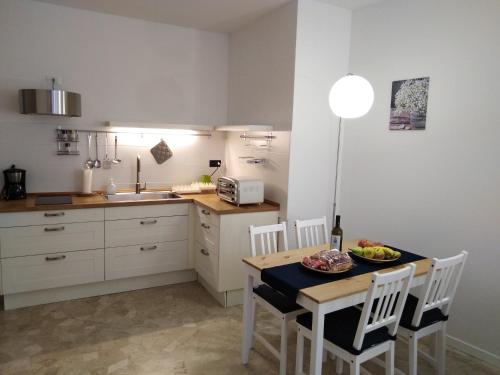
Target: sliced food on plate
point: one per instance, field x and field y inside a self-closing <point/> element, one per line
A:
<point x="328" y="261"/>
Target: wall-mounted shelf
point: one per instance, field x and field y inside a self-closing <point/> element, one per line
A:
<point x="245" y="128"/>
<point x="159" y="128"/>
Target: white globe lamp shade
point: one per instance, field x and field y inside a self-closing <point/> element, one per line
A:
<point x="351" y="97"/>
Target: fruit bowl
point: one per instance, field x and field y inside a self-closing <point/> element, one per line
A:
<point x="372" y="260"/>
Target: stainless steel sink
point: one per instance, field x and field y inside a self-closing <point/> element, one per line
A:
<point x="145" y="195"/>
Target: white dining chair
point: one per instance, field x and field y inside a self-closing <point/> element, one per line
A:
<point x="356" y="336"/>
<point x="264" y="240"/>
<point x="427" y="313"/>
<point x="314" y="231"/>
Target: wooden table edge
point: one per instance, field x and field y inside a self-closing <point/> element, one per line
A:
<point x="319" y="293"/>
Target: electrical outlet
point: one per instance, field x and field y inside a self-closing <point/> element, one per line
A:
<point x="214" y="163"/>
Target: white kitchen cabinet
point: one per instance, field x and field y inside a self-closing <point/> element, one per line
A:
<point x="139" y="244"/>
<point x="208" y="216"/>
<point x="49" y="217"/>
<point x="29" y="273"/>
<point x="137" y="212"/>
<point x="207" y="263"/>
<point x="53" y="238"/>
<point x="222" y="241"/>
<point x="48" y="256"/>
<point x="139" y="260"/>
<point x="146" y="230"/>
<point x="207" y="234"/>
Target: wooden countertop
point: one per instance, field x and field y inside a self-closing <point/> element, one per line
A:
<point x="335" y="289"/>
<point x="210" y="201"/>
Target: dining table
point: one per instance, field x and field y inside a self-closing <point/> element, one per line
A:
<point x="321" y="299"/>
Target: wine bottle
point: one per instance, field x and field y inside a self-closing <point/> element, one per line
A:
<point x="337" y="235"/>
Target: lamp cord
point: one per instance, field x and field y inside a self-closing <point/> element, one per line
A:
<point x="336" y="172"/>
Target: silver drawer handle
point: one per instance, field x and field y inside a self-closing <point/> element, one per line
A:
<point x="204" y="252"/>
<point x="205" y="212"/>
<point x="148" y="222"/>
<point x="147" y="248"/>
<point x="58" y="229"/>
<point x="53" y="214"/>
<point x="205" y="226"/>
<point x="50" y="259"/>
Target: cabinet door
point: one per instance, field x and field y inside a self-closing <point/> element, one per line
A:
<point x="234" y="245"/>
<point x="145" y="231"/>
<point x="50" y="217"/>
<point x="139" y="260"/>
<point x="38" y="272"/>
<point x="32" y="240"/>
<point x="137" y="212"/>
<point x="207" y="264"/>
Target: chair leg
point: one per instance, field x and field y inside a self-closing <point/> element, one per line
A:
<point x="299" y="356"/>
<point x="325" y="355"/>
<point x="354" y="368"/>
<point x="413" y="354"/>
<point x="254" y="318"/>
<point x="441" y="350"/>
<point x="248" y="319"/>
<point x="339" y="368"/>
<point x="389" y="360"/>
<point x="283" y="346"/>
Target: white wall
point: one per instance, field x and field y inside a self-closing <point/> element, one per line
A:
<point x="261" y="76"/>
<point x="434" y="191"/>
<point x="125" y="69"/>
<point x="274" y="172"/>
<point x="261" y="70"/>
<point x="322" y="53"/>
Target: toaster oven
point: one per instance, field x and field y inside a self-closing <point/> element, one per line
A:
<point x="240" y="191"/>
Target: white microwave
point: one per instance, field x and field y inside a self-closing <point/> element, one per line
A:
<point x="240" y="190"/>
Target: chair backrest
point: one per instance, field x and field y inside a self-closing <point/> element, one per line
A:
<point x="315" y="232"/>
<point x="390" y="288"/>
<point x="440" y="285"/>
<point x="264" y="239"/>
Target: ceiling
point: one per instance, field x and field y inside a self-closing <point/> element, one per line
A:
<point x="212" y="15"/>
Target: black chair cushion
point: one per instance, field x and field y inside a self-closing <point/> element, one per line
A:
<point x="276" y="299"/>
<point x="428" y="318"/>
<point x="340" y="330"/>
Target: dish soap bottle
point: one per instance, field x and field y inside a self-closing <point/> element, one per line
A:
<point x="337" y="235"/>
<point x="111" y="188"/>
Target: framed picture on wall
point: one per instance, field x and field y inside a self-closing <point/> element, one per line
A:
<point x="409" y="104"/>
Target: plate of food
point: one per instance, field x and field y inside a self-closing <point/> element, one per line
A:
<point x="328" y="261"/>
<point x="374" y="252"/>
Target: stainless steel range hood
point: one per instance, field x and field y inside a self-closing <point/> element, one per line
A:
<point x="54" y="102"/>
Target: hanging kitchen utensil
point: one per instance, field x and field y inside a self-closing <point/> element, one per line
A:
<point x="89" y="163"/>
<point x="161" y="152"/>
<point x="97" y="162"/>
<point x="116" y="160"/>
<point x="106" y="163"/>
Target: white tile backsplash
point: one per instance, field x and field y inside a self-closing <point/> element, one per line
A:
<point x="33" y="147"/>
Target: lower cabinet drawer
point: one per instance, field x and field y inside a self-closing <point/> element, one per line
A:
<point x="43" y="239"/>
<point x="207" y="264"/>
<point x="140" y="260"/>
<point x="148" y="230"/>
<point x="24" y="274"/>
<point x="207" y="216"/>
<point x="207" y="235"/>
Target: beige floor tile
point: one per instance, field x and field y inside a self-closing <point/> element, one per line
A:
<point x="177" y="330"/>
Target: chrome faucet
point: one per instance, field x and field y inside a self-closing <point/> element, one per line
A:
<point x="138" y="187"/>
